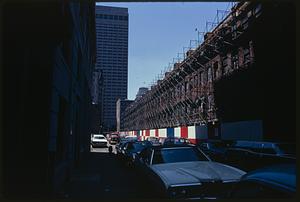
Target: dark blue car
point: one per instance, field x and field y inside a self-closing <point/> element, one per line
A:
<point x="215" y="149"/>
<point x="252" y="155"/>
<point x="271" y="182"/>
<point x="132" y="149"/>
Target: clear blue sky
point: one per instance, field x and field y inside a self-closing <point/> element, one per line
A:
<point x="158" y="31"/>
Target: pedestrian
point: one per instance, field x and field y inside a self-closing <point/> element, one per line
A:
<point x="110" y="149"/>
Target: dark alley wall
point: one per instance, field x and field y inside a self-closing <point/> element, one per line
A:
<point x="48" y="59"/>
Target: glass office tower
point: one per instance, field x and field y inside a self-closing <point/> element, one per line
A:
<point x="112" y="59"/>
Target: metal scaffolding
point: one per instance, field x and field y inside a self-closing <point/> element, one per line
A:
<point x="184" y="93"/>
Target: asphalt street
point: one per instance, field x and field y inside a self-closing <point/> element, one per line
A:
<point x="103" y="176"/>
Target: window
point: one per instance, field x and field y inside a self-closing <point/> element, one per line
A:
<point x="99" y="137"/>
<point x="287" y="149"/>
<point x="209" y="74"/>
<point x="130" y="146"/>
<point x="187" y="86"/>
<point x="215" y="70"/>
<point x="224" y="61"/>
<point x="146" y="155"/>
<point x="200" y="78"/>
<point x="235" y="63"/>
<point x="246" y="55"/>
<point x="257" y="10"/>
<point x="99" y="16"/>
<point x="181" y="154"/>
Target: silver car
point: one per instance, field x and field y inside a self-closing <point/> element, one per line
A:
<point x="186" y="172"/>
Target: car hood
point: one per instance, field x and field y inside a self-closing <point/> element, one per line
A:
<point x="196" y="172"/>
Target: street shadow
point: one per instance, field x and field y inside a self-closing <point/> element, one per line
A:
<point x="105" y="176"/>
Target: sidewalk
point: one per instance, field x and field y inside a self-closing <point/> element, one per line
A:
<point x="103" y="176"/>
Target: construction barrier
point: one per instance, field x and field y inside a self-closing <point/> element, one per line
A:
<point x="244" y="130"/>
<point x="194" y="133"/>
<point x="152" y="132"/>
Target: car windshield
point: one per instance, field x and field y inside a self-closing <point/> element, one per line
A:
<point x="138" y="146"/>
<point x="152" y="139"/>
<point x="173" y="155"/>
<point x="145" y="143"/>
<point x="130" y="138"/>
<point x="244" y="144"/>
<point x="175" y="141"/>
<point x="287" y="148"/>
<point x="99" y="137"/>
<point x="124" y="140"/>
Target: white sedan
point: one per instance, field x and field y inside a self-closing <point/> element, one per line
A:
<point x="98" y="140"/>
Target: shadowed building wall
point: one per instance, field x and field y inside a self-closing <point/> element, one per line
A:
<point x="48" y="62"/>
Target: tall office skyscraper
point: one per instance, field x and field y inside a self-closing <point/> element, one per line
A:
<point x="112" y="59"/>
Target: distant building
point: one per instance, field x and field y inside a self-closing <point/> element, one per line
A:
<point x="121" y="106"/>
<point x="141" y="92"/>
<point x="97" y="101"/>
<point x="112" y="58"/>
<point x="97" y="86"/>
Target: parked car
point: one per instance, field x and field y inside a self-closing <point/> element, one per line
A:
<point x="130" y="138"/>
<point x="132" y="149"/>
<point x="153" y="140"/>
<point x="176" y="141"/>
<point x="120" y="145"/>
<point x="114" y="139"/>
<point x="277" y="181"/>
<point x="98" y="140"/>
<point x="185" y="172"/>
<point x="279" y="149"/>
<point x="249" y="155"/>
<point x="215" y="149"/>
<point x="161" y="140"/>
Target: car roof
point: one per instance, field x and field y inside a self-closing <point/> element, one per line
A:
<point x="216" y="141"/>
<point x="127" y="140"/>
<point x="152" y="137"/>
<point x="175" y="138"/>
<point x="261" y="142"/>
<point x="172" y="146"/>
<point x="253" y="144"/>
<point x="282" y="175"/>
<point x="99" y="135"/>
